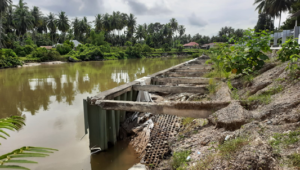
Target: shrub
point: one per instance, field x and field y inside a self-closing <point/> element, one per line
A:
<point x="289" y="48"/>
<point x="146" y="48"/>
<point x="180" y="159"/>
<point x="195" y="55"/>
<point x="63" y="49"/>
<point x="28" y="49"/>
<point x="166" y="47"/>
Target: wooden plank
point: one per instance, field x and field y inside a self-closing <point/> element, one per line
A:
<point x="170" y="89"/>
<point x="183" y="109"/>
<point x="182" y="80"/>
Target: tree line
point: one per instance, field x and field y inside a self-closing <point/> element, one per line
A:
<point x="19" y="22"/>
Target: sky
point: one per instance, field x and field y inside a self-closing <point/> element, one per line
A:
<point x="205" y="17"/>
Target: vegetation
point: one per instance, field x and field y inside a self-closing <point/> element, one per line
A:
<point x="228" y="148"/>
<point x="14" y="123"/>
<point x="179" y="159"/>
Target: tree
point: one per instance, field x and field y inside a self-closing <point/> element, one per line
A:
<point x="262" y="22"/>
<point x="15" y="123"/>
<point x="63" y="23"/>
<point x="131" y="22"/>
<point x="76" y="28"/>
<point x="181" y="30"/>
<point x="294" y="19"/>
<point x="139" y="32"/>
<point x="279" y="6"/>
<point x="4" y="4"/>
<point x="36" y="13"/>
<point x="51" y="25"/>
<point x="98" y="23"/>
<point x="23" y="19"/>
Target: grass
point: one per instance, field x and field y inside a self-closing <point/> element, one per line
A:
<point x="205" y="164"/>
<point x="294" y="160"/>
<point x="212" y="86"/>
<point x="285" y="139"/>
<point x="228" y="148"/>
<point x="187" y="120"/>
<point x="265" y="97"/>
<point x="179" y="159"/>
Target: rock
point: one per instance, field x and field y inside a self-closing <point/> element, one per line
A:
<point x="205" y="141"/>
<point x="138" y="167"/>
<point x="269" y="122"/>
<point x="232" y="117"/>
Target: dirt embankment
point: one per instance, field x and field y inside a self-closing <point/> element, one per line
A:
<point x="260" y="129"/>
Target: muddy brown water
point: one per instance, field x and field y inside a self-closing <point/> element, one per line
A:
<point x="50" y="98"/>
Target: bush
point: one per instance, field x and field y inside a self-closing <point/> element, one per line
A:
<point x="180" y="159"/>
<point x="8" y="58"/>
<point x="146" y="48"/>
<point x="195" y="55"/>
<point x="63" y="49"/>
<point x="289" y="48"/>
<point x="166" y="47"/>
<point x="28" y="49"/>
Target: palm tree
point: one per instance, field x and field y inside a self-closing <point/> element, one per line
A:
<point x="131" y="22"/>
<point x="76" y="28"/>
<point x="35" y="12"/>
<point x="139" y="32"/>
<point x="4" y="4"/>
<point x="23" y="19"/>
<point x="15" y="123"/>
<point x="51" y="24"/>
<point x="63" y="23"/>
<point x="107" y="22"/>
<point x="279" y="6"/>
<point x="98" y="23"/>
<point x="264" y="6"/>
<point x="181" y="30"/>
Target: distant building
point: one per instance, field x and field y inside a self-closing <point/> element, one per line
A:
<point x="191" y="45"/>
<point x="208" y="46"/>
<point x="47" y="47"/>
<point x="76" y="43"/>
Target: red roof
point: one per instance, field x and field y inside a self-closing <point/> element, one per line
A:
<point x="191" y="44"/>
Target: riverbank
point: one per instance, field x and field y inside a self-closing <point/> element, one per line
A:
<point x="197" y="123"/>
<point x="41" y="63"/>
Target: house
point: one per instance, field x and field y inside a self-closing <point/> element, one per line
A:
<point x="47" y="47"/>
<point x="191" y="45"/>
<point x="208" y="46"/>
<point x="76" y="43"/>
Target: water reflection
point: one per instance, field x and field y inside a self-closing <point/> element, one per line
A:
<point x="55" y="92"/>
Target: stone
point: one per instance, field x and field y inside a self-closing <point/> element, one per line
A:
<point x="231" y="117"/>
<point x="138" y="167"/>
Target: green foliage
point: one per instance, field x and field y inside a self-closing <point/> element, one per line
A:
<point x="284" y="139"/>
<point x="166" y="47"/>
<point x="14" y="123"/>
<point x="180" y="159"/>
<point x="69" y="43"/>
<point x="217" y="61"/>
<point x="289" y="48"/>
<point x="187" y="120"/>
<point x="265" y="97"/>
<point x="228" y="148"/>
<point x="294" y="160"/>
<point x="234" y="91"/>
<point x="179" y="47"/>
<point x="212" y="86"/>
<point x="134" y="51"/>
<point x="146" y="48"/>
<point x="248" y="53"/>
<point x="8" y="58"/>
<point x="97" y="39"/>
<point x="46" y="55"/>
<point x="63" y="49"/>
<point x="195" y="55"/>
<point x="293" y="66"/>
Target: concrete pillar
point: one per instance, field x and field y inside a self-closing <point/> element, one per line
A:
<point x="285" y="34"/>
<point x="296" y="32"/>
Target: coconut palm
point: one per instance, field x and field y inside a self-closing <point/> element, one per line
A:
<point x="76" y="28"/>
<point x="279" y="6"/>
<point x="36" y="14"/>
<point x="181" y="30"/>
<point x="139" y="32"/>
<point x="51" y="24"/>
<point x="98" y="23"/>
<point x="4" y="4"/>
<point x="23" y="19"/>
<point x="107" y="22"/>
<point x="63" y="23"/>
<point x="131" y="22"/>
<point x="14" y="123"/>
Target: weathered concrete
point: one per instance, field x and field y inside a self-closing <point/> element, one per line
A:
<point x="170" y="89"/>
<point x="182" y="80"/>
<point x="182" y="109"/>
<point x="192" y="70"/>
<point x="185" y="74"/>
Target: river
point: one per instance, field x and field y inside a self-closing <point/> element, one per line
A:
<point x="50" y="97"/>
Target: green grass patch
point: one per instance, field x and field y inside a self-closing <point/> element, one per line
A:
<point x="294" y="160"/>
<point x="228" y="148"/>
<point x="283" y="140"/>
<point x="212" y="86"/>
<point x="265" y="97"/>
<point x="179" y="159"/>
<point x="187" y="120"/>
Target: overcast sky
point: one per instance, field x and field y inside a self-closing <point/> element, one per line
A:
<point x="205" y="17"/>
